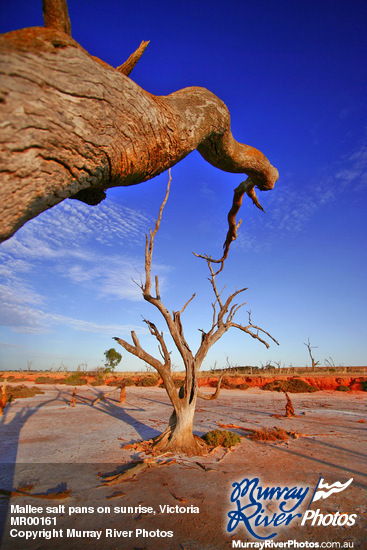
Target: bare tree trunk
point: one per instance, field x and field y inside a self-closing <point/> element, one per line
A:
<point x="3" y="399"/>
<point x="123" y="395"/>
<point x="179" y="437"/>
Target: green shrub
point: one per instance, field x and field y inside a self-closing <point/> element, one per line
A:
<point x="295" y="385"/>
<point x="121" y="382"/>
<point x="147" y="381"/>
<point x="222" y="438"/>
<point x="45" y="380"/>
<point x="15" y="392"/>
<point x="228" y="384"/>
<point x="342" y="388"/>
<point x="75" y="379"/>
<point x="364" y="385"/>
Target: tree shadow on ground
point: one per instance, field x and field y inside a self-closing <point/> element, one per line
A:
<point x="9" y="437"/>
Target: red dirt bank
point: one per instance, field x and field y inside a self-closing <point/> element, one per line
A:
<point x="354" y="383"/>
<point x="326" y="382"/>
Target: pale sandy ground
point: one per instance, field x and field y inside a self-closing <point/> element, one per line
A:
<point x="54" y="446"/>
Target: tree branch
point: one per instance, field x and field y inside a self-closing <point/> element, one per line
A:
<point x="256" y="335"/>
<point x="56" y="15"/>
<point x="139" y="352"/>
<point x="93" y="128"/>
<point x="187" y="303"/>
<point x="215" y="394"/>
<point x="159" y="336"/>
<point x="247" y="187"/>
<point x="149" y="243"/>
<point x="130" y="63"/>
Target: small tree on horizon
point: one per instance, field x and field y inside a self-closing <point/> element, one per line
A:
<point x="113" y="358"/>
<point x="179" y="437"/>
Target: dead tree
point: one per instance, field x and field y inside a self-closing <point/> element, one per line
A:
<point x="179" y="434"/>
<point x="310" y="348"/>
<point x="289" y="409"/>
<point x="123" y="394"/>
<point x="73" y="399"/>
<point x="73" y="126"/>
<point x="3" y="398"/>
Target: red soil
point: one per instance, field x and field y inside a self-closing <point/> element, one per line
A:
<point x="326" y="382"/>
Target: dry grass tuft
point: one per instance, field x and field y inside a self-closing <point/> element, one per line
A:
<point x="272" y="434"/>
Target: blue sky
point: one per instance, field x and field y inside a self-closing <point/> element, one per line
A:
<point x="294" y="77"/>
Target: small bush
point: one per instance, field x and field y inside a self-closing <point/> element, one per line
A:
<point x="121" y="382"/>
<point x="364" y="385"/>
<point x="16" y="392"/>
<point x="342" y="388"/>
<point x="74" y="379"/>
<point x="97" y="382"/>
<point x="273" y="434"/>
<point x="295" y="385"/>
<point x="46" y="380"/>
<point x="221" y="438"/>
<point x="147" y="381"/>
<point x="243" y="386"/>
<point x="229" y="384"/>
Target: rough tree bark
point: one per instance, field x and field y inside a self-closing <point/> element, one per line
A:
<point x="179" y="437"/>
<point x="73" y="126"/>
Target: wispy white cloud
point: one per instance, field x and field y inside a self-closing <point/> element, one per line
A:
<point x="89" y="326"/>
<point x="70" y="226"/>
<point x="293" y="203"/>
<point x="68" y="241"/>
<point x="20" y="313"/>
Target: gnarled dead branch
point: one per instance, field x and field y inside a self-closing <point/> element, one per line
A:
<point x="73" y="126"/>
<point x="179" y="436"/>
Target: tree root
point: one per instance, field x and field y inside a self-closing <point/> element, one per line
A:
<point x="168" y="441"/>
<point x="135" y="468"/>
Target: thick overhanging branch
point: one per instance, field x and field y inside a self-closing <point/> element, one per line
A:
<point x="73" y="126"/>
